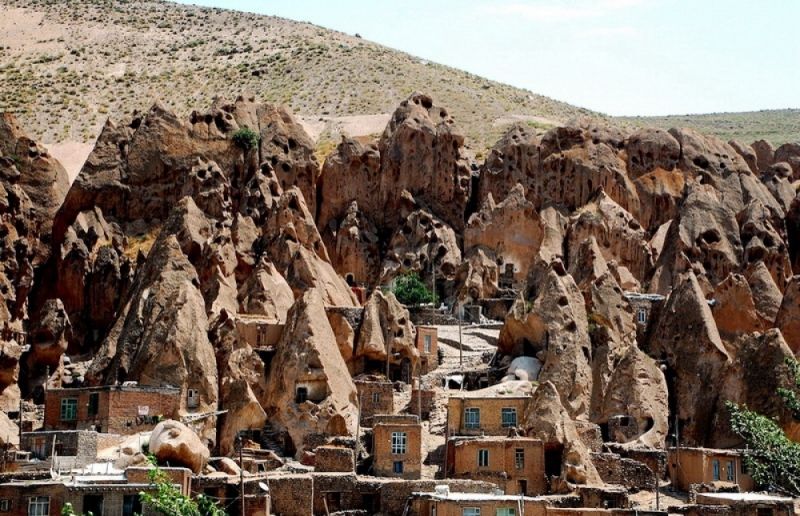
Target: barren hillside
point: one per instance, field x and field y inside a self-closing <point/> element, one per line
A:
<point x="65" y="66"/>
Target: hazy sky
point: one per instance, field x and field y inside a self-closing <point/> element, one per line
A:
<point x="622" y="57"/>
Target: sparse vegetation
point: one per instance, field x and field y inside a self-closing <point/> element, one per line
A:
<point x="411" y="291"/>
<point x="245" y="138"/>
<point x="772" y="459"/>
<point x="169" y="501"/>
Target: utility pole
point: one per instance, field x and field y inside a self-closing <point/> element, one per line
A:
<point x="241" y="476"/>
<point x="358" y="436"/>
<point x="460" y="342"/>
<point x="419" y="393"/>
<point x="388" y="351"/>
<point x="658" y="493"/>
<point x="433" y="281"/>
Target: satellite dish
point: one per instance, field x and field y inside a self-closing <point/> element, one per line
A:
<point x="263" y="487"/>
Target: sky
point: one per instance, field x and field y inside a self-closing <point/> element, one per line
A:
<point x="620" y="57"/>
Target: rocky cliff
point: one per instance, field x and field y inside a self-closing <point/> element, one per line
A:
<point x="647" y="267"/>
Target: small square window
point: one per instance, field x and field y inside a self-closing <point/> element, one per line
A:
<point x="472" y="417"/>
<point x="376" y="397"/>
<point x="69" y="409"/>
<point x="509" y="417"/>
<point x="5" y="505"/>
<point x="397" y="467"/>
<point x="483" y="458"/>
<point x="39" y="506"/>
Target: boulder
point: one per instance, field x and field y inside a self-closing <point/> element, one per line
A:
<point x="790" y="153"/>
<point x="176" y="444"/>
<point x="765" y="154"/>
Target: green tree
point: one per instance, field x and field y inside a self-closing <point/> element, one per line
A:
<point x="68" y="510"/>
<point x="772" y="459"/>
<point x="169" y="501"/>
<point x="245" y="138"/>
<point x="410" y="290"/>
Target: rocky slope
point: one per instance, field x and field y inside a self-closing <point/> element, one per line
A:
<point x="173" y="233"/>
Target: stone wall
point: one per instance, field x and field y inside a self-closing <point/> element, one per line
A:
<point x="334" y="459"/>
<point x="291" y="495"/>
<point x="632" y="474"/>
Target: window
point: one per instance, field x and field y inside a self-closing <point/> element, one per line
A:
<point x="39" y="506"/>
<point x="427" y="340"/>
<point x="301" y="395"/>
<point x="376" y="397"/>
<point x="483" y="458"/>
<point x="472" y="417"/>
<point x="399" y="442"/>
<point x="506" y="511"/>
<point x="94" y="403"/>
<point x="192" y="398"/>
<point x="131" y="505"/>
<point x="397" y="467"/>
<point x="641" y="316"/>
<point x="509" y="416"/>
<point x="519" y="458"/>
<point x="5" y="505"/>
<point x="716" y="469"/>
<point x="471" y="511"/>
<point x="69" y="409"/>
<point x="731" y="471"/>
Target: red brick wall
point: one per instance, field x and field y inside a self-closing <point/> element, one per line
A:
<point x="117" y="409"/>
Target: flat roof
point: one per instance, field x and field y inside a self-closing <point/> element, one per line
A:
<point x="493" y="438"/>
<point x="167" y="389"/>
<point x="708" y="451"/>
<point x="480" y="497"/>
<point x="746" y="497"/>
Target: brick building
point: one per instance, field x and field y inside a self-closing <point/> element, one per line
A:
<point x="515" y="464"/>
<point x="117" y="409"/>
<point x="74" y="448"/>
<point x="446" y="503"/>
<point x="477" y="413"/>
<point x="738" y="504"/>
<point x="687" y="466"/>
<point x="397" y="446"/>
<point x="427" y="343"/>
<point x="376" y="396"/>
<point x="99" y="489"/>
